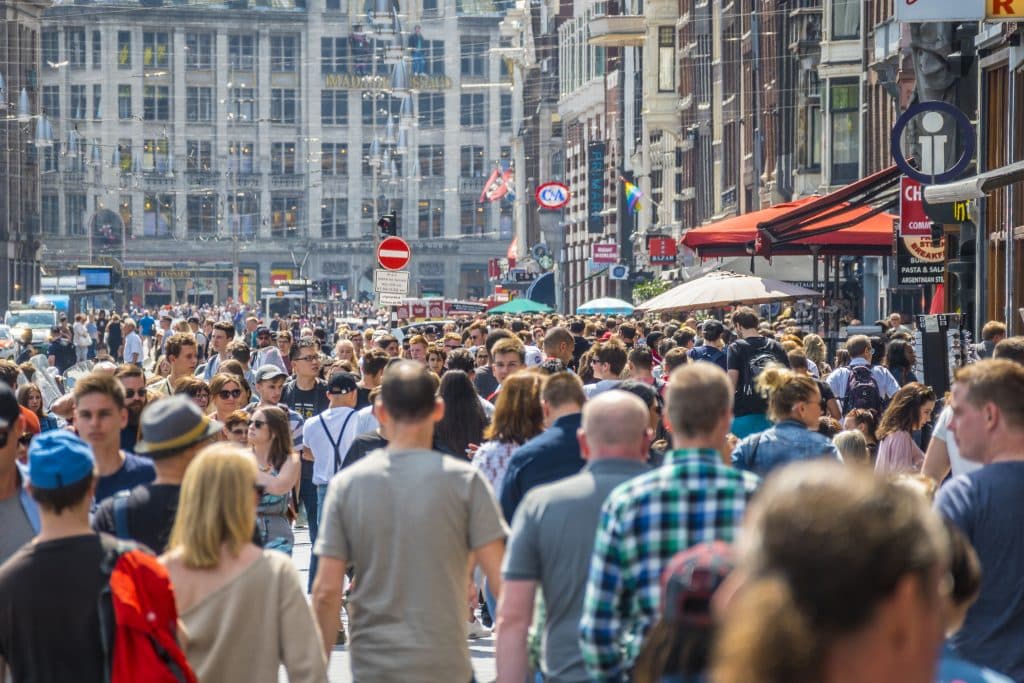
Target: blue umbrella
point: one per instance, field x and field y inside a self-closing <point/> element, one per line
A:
<point x="606" y="306"/>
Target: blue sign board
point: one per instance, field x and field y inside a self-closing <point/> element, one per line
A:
<point x="933" y="168"/>
<point x="595" y="187"/>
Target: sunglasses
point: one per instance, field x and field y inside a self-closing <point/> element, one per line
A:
<point x="229" y="393"/>
<point x="132" y="393"/>
<point x="205" y="395"/>
<point x="258" y="424"/>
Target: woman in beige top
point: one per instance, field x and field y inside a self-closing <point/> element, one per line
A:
<point x="910" y="409"/>
<point x="243" y="608"/>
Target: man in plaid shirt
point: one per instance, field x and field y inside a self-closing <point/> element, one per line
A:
<point x="692" y="498"/>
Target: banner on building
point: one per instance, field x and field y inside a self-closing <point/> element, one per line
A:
<point x="662" y="251"/>
<point x="922" y="11"/>
<point x="595" y="187"/>
<point x="918" y="260"/>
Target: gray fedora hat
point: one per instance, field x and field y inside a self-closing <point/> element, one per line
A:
<point x="172" y="424"/>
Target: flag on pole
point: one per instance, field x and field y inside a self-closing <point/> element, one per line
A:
<point x="633" y="195"/>
<point x="498" y="185"/>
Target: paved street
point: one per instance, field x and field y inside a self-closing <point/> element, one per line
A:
<point x="482" y="651"/>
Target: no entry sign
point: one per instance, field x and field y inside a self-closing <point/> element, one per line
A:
<point x="393" y="253"/>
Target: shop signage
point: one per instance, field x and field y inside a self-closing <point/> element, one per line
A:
<point x="662" y="251"/>
<point x="1004" y="10"/>
<point x="595" y="187"/>
<point x="552" y="195"/>
<point x="920" y="11"/>
<point x="607" y="252"/>
<point x="933" y="142"/>
<point x="914" y="221"/>
<point x="919" y="262"/>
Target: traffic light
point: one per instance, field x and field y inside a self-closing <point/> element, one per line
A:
<point x="388" y="224"/>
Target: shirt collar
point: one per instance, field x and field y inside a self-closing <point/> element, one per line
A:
<point x="615" y="466"/>
<point x="679" y="455"/>
<point x="859" y="361"/>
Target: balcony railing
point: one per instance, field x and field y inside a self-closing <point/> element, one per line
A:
<point x="287" y="181"/>
<point x="202" y="178"/>
<point x="474" y="185"/>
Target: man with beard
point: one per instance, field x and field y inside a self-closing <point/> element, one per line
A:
<point x="133" y="380"/>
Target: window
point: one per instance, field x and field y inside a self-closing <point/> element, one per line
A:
<point x="124" y="102"/>
<point x="156" y="48"/>
<point x="378" y="111"/>
<point x="472" y="217"/>
<point x="123" y="156"/>
<point x="282" y="158"/>
<point x="431" y="218"/>
<point x="432" y="161"/>
<point x="472" y="110"/>
<point x="50" y="162"/>
<point x="334" y="158"/>
<point x="97" y="50"/>
<point x="332" y="5"/>
<point x="367" y="218"/>
<point x="427" y="56"/>
<point x="431" y="110"/>
<point x="843" y="106"/>
<point x="199" y="51"/>
<point x="702" y="67"/>
<point x="285" y="216"/>
<point x="471" y="161"/>
<point x="124" y="209"/>
<point x="199" y="104"/>
<point x="199" y="155"/>
<point x="242" y="105"/>
<point x="473" y="53"/>
<point x="74" y="43"/>
<point x="49" y="41"/>
<point x="334" y="56"/>
<point x="51" y="101"/>
<point x="76" y="204"/>
<point x="156" y="103"/>
<point x="77" y="105"/>
<point x="666" y="59"/>
<point x="845" y="19"/>
<point x="810" y="152"/>
<point x="334" y="218"/>
<point x="284" y="53"/>
<point x="244" y="214"/>
<point x="202" y="214"/>
<point x="430" y="7"/>
<point x="97" y="101"/>
<point x="283" y="105"/>
<point x="124" y="49"/>
<point x="50" y="214"/>
<point x="334" y="107"/>
<point x="158" y="215"/>
<point x="155" y="155"/>
<point x="240" y="157"/>
<point x="505" y="114"/>
<point x="242" y="53"/>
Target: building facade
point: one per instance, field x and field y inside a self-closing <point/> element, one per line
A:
<point x="268" y="139"/>
<point x="19" y="181"/>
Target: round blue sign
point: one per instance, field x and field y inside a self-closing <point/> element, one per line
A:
<point x="965" y="134"/>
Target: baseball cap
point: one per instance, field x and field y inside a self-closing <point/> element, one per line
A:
<point x="172" y="424"/>
<point x="262" y="330"/>
<point x="342" y="383"/>
<point x="712" y="328"/>
<point x="690" y="580"/>
<point x="268" y="371"/>
<point x="10" y="410"/>
<point x="58" y="458"/>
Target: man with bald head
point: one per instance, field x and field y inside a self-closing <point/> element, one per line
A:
<point x="552" y="539"/>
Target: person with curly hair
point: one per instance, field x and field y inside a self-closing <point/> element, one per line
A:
<point x="911" y="408"/>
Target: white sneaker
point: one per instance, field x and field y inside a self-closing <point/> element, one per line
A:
<point x="475" y="630"/>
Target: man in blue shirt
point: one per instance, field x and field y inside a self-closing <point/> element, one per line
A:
<point x="554" y="453"/>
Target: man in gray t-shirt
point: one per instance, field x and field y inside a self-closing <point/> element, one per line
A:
<point x="553" y="537"/>
<point x="19" y="514"/>
<point x="409" y="520"/>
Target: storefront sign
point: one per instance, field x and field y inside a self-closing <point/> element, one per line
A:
<point x="919" y="262"/>
<point x="662" y="251"/>
<point x="1004" y="10"/>
<point x="595" y="187"/>
<point x="914" y="221"/>
<point x="933" y="145"/>
<point x="605" y="252"/>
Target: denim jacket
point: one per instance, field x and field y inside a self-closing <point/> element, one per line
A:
<point x="788" y="441"/>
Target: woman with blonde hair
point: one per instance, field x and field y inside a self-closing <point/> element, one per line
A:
<point x="270" y="437"/>
<point x="794" y="405"/>
<point x="841" y="576"/>
<point x="242" y="607"/>
<point x="814" y="349"/>
<point x="910" y="409"/>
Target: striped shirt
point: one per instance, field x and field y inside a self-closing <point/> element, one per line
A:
<point x="692" y="498"/>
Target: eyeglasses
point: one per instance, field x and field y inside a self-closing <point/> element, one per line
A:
<point x="238" y="432"/>
<point x="309" y="359"/>
<point x="258" y="424"/>
<point x="132" y="393"/>
<point x="201" y="395"/>
<point x="229" y="393"/>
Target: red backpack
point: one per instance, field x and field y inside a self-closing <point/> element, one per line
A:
<point x="138" y="619"/>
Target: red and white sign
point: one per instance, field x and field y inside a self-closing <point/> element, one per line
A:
<point x="435" y="309"/>
<point x="914" y="222"/>
<point x="605" y="252"/>
<point x="552" y="195"/>
<point x="662" y="250"/>
<point x="393" y="253"/>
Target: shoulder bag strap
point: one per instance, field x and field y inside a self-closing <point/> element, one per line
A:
<point x="121" y="514"/>
<point x="336" y="445"/>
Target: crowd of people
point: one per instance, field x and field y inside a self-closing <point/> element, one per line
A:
<point x="612" y="499"/>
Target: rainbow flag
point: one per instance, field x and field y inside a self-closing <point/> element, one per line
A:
<point x="633" y="195"/>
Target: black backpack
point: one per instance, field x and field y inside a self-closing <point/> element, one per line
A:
<point x="862" y="391"/>
<point x="758" y="361"/>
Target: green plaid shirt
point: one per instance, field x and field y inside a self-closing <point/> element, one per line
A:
<point x="692" y="498"/>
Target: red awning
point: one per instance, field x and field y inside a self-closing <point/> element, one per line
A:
<point x="828" y="224"/>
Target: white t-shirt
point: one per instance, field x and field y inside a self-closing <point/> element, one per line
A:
<point x="958" y="464"/>
<point x="315" y="438"/>
<point x="133" y="345"/>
